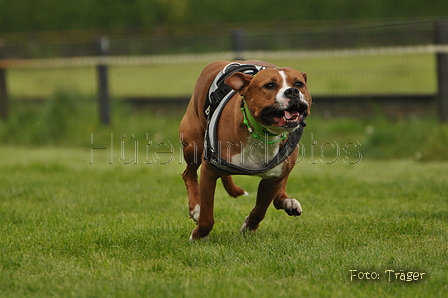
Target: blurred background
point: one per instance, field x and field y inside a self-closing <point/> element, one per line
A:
<point x="377" y="69"/>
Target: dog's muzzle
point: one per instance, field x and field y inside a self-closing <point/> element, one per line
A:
<point x="289" y="117"/>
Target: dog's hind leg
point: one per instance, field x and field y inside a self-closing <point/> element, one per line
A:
<point x="190" y="177"/>
<point x="207" y="196"/>
<point x="192" y="154"/>
<point x="232" y="189"/>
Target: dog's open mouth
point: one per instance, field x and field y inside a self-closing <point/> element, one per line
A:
<point x="288" y="118"/>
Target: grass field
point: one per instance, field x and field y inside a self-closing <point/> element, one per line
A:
<point x="381" y="74"/>
<point x="74" y="229"/>
<point x="83" y="222"/>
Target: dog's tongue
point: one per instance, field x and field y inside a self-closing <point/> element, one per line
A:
<point x="288" y="116"/>
<point x="291" y="116"/>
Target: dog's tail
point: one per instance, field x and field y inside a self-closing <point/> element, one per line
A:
<point x="231" y="188"/>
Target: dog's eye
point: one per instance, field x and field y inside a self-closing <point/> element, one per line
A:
<point x="270" y="86"/>
<point x="299" y="84"/>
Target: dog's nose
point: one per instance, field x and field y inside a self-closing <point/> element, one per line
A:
<point x="291" y="93"/>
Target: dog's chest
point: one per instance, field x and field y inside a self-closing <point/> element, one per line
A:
<point x="255" y="155"/>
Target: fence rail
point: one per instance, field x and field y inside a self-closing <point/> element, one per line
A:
<point x="189" y="58"/>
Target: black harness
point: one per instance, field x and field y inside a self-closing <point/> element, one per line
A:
<point x="219" y="95"/>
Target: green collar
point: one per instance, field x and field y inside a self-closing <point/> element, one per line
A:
<point x="256" y="129"/>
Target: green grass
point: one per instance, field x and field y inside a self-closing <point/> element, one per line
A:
<point x="381" y="74"/>
<point x="74" y="229"/>
<point x="77" y="222"/>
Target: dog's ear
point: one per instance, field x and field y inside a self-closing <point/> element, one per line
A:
<point x="304" y="76"/>
<point x="238" y="81"/>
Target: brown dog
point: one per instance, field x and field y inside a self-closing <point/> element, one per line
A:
<point x="251" y="135"/>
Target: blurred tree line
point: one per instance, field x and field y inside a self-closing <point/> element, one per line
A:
<point x="36" y="15"/>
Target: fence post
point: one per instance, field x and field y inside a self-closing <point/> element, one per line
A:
<point x="238" y="42"/>
<point x="441" y="35"/>
<point x="4" y="100"/>
<point x="103" y="46"/>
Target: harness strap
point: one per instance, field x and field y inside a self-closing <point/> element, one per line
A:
<point x="218" y="89"/>
<point x="284" y="152"/>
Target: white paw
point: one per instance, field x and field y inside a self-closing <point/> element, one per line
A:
<point x="194" y="214"/>
<point x="244" y="227"/>
<point x="193" y="240"/>
<point x="292" y="207"/>
<point x="246" y="193"/>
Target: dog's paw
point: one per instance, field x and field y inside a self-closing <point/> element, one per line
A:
<point x="292" y="207"/>
<point x="196" y="239"/>
<point x="244" y="227"/>
<point x="194" y="214"/>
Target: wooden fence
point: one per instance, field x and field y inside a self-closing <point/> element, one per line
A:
<point x="102" y="62"/>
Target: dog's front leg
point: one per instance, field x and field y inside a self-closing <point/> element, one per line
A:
<point x="207" y="185"/>
<point x="267" y="191"/>
<point x="282" y="201"/>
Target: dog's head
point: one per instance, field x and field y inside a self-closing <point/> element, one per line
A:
<point x="277" y="98"/>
